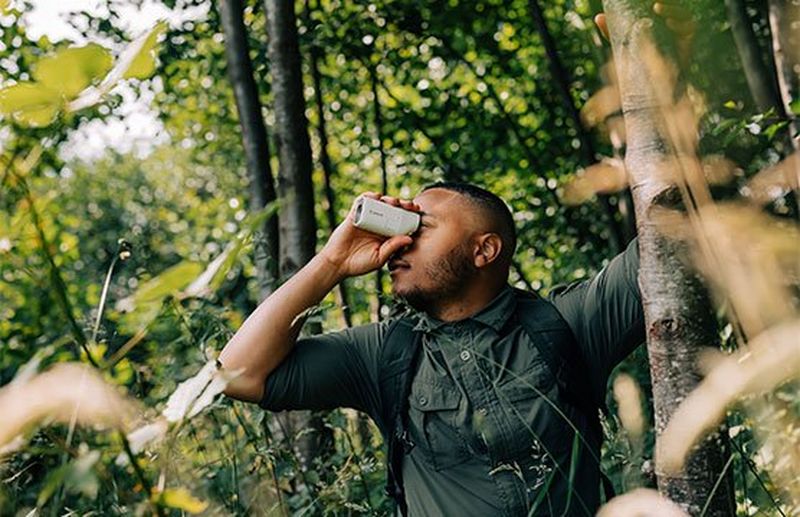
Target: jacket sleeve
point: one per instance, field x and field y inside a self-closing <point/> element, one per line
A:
<point x="605" y="313"/>
<point x="338" y="369"/>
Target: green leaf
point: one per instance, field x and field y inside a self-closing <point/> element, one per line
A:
<point x="70" y="70"/>
<point x="145" y="304"/>
<point x="253" y="223"/>
<point x="795" y="106"/>
<point x="181" y="499"/>
<point x="773" y="129"/>
<point x="170" y="281"/>
<point x="139" y="61"/>
<point x="31" y="104"/>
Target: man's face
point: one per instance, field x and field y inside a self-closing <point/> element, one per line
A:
<point x="439" y="263"/>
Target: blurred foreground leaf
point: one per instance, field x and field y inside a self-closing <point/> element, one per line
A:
<point x="31" y="104"/>
<point x="67" y="393"/>
<point x="181" y="499"/>
<point x="139" y="60"/>
<point x="71" y="70"/>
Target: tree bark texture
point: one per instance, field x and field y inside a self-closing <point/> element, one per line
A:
<point x="678" y="317"/>
<point x="562" y="81"/>
<point x="254" y="139"/>
<point x="297" y="221"/>
<point x="297" y="218"/>
<point x="760" y="78"/>
<point x="784" y="22"/>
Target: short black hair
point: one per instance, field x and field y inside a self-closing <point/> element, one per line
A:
<point x="500" y="218"/>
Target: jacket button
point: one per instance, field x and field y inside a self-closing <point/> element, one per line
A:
<point x="423" y="401"/>
<point x="465" y="355"/>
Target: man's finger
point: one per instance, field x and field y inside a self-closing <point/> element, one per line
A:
<point x="390" y="200"/>
<point x="409" y="205"/>
<point x="392" y="245"/>
<point x="602" y="25"/>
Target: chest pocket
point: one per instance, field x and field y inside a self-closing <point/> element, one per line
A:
<point x="434" y="423"/>
<point x="529" y="402"/>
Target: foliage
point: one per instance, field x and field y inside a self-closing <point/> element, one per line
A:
<point x="464" y="93"/>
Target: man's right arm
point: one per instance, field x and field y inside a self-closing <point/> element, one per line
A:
<point x="269" y="333"/>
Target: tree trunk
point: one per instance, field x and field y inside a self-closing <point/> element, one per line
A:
<point x="254" y="140"/>
<point x="325" y="161"/>
<point x="562" y="81"/>
<point x="678" y="317"/>
<point x="784" y="21"/>
<point x="760" y="79"/>
<point x="297" y="219"/>
<point x="297" y="222"/>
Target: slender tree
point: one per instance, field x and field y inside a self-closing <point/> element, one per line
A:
<point x="314" y="55"/>
<point x="297" y="219"/>
<point x="760" y="78"/>
<point x="378" y="117"/>
<point x="562" y="81"/>
<point x="784" y="21"/>
<point x="298" y="227"/>
<point x="254" y="139"/>
<point x="678" y="318"/>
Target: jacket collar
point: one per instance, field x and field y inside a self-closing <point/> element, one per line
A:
<point x="494" y="315"/>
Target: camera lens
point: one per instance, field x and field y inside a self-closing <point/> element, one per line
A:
<point x="359" y="210"/>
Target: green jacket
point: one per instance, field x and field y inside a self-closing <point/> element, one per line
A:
<point x="479" y="384"/>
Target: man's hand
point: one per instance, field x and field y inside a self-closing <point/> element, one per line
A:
<point x="354" y="251"/>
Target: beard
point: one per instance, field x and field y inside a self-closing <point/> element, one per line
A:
<point x="445" y="280"/>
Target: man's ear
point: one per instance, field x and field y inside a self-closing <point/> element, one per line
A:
<point x="487" y="249"/>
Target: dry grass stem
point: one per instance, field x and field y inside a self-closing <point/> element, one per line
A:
<point x="754" y="255"/>
<point x="67" y="392"/>
<point x="629" y="403"/>
<point x="600" y="106"/>
<point x="773" y="182"/>
<point x="605" y="177"/>
<point x="771" y="359"/>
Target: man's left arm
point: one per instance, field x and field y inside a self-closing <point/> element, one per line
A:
<point x="605" y="313"/>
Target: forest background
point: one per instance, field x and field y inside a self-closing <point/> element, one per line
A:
<point x="140" y="265"/>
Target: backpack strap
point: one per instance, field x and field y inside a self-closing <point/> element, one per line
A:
<point x="565" y="361"/>
<point x="399" y="357"/>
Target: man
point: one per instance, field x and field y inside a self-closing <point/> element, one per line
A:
<point x="487" y="397"/>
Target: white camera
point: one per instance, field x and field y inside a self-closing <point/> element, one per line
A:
<point x="387" y="220"/>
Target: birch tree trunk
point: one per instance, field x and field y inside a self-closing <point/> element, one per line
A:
<point x="760" y="79"/>
<point x="297" y="219"/>
<point x="678" y="317"/>
<point x="254" y="140"/>
<point x="784" y="22"/>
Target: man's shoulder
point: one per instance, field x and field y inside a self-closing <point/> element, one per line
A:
<point x="373" y="335"/>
